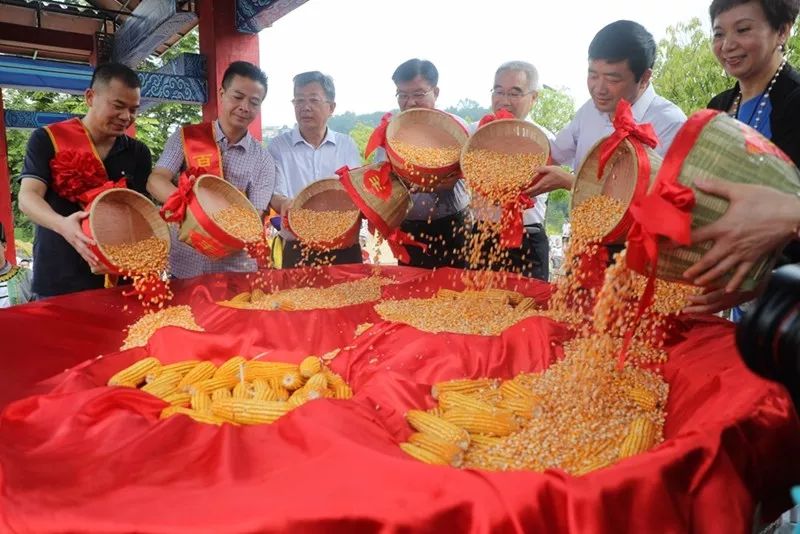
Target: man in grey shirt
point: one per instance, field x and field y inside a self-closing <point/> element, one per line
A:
<point x="437" y="219"/>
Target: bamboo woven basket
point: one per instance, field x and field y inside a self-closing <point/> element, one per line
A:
<point x="620" y="181"/>
<point x="425" y="128"/>
<point x="385" y="205"/>
<point x="211" y="194"/>
<point x="508" y="136"/>
<point x="323" y="195"/>
<point x="725" y="149"/>
<point x="121" y="216"/>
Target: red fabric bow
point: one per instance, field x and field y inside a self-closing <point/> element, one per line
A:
<point x="397" y="238"/>
<point x="88" y="197"/>
<point x="378" y="137"/>
<point x="624" y="127"/>
<point x="511" y="220"/>
<point x="174" y="209"/>
<point x="501" y="114"/>
<point x="76" y="172"/>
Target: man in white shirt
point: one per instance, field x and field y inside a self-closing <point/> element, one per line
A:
<point x="437" y="219"/>
<point x="308" y="153"/>
<point x="516" y="88"/>
<point x="621" y="58"/>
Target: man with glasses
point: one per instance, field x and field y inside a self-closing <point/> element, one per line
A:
<point x="516" y="88"/>
<point x="437" y="219"/>
<point x="245" y="163"/>
<point x="310" y="152"/>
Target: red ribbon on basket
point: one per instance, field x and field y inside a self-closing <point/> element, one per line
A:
<point x="502" y="113"/>
<point x="378" y="137"/>
<point x="174" y="209"/>
<point x="397" y="239"/>
<point x="88" y="197"/>
<point x="625" y="127"/>
<point x="511" y="220"/>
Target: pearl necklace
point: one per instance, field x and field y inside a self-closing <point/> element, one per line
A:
<point x="760" y="104"/>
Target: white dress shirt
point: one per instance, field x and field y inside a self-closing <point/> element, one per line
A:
<point x="590" y="125"/>
<point x="300" y="164"/>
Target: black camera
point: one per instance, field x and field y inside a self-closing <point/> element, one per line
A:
<point x="768" y="336"/>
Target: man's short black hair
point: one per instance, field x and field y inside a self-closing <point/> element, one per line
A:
<point x="115" y="71"/>
<point x="779" y="13"/>
<point x="416" y="67"/>
<point x="246" y="69"/>
<point x="625" y="39"/>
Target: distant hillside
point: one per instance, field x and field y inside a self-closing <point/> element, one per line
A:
<point x="469" y="110"/>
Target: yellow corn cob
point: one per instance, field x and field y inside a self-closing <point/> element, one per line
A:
<point x="465" y="386"/>
<point x="342" y="391"/>
<point x="645" y="399"/>
<point x="423" y="455"/>
<point x="483" y="441"/>
<point x="489" y="395"/>
<point x="641" y="437"/>
<point x="450" y="452"/>
<point x="241" y="297"/>
<point x="202" y="371"/>
<point x="266" y="393"/>
<point x="163" y="385"/>
<point x="449" y="400"/>
<point x="292" y="380"/>
<point x="221" y="393"/>
<point x="200" y="417"/>
<point x="201" y="402"/>
<point x="249" y="411"/>
<point x="134" y="374"/>
<point x="437" y="426"/>
<point x="512" y="388"/>
<point x="310" y="366"/>
<point x="333" y="378"/>
<point x="232" y="367"/>
<point x="241" y="391"/>
<point x="500" y="423"/>
<point x="214" y="383"/>
<point x="169" y="411"/>
<point x="178" y="398"/>
<point x="491" y="461"/>
<point x="521" y="406"/>
<point x="436" y="410"/>
<point x="277" y="387"/>
<point x="298" y="398"/>
<point x="593" y="465"/>
<point x="526" y="380"/>
<point x="182" y="368"/>
<point x="318" y="382"/>
<point x="260" y="369"/>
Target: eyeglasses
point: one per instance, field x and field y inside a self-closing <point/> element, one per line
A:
<point x="313" y="101"/>
<point x="511" y="95"/>
<point x="418" y="95"/>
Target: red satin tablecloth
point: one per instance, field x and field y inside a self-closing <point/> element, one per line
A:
<point x="77" y="456"/>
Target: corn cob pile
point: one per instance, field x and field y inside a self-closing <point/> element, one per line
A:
<point x="426" y="156"/>
<point x="140" y="331"/>
<point x="579" y="415"/>
<point x="487" y="312"/>
<point x="312" y="298"/>
<point x="240" y="391"/>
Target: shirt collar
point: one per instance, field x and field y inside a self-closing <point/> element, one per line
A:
<point x="642" y="103"/>
<point x="297" y="138"/>
<point x="244" y="142"/>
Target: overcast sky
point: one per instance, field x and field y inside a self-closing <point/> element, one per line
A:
<point x="361" y="42"/>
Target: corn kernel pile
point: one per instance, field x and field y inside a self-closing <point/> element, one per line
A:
<point x="487" y="313"/>
<point x="579" y="415"/>
<point x="144" y="262"/>
<point x="140" y="331"/>
<point x="312" y="298"/>
<point x="322" y="226"/>
<point x="240" y="391"/>
<point x="499" y="176"/>
<point x="239" y="222"/>
<point x="426" y="156"/>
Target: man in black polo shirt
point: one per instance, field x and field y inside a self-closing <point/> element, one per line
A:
<point x="63" y="262"/>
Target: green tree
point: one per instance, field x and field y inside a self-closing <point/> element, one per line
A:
<point x="469" y="110"/>
<point x="360" y="134"/>
<point x="553" y="109"/>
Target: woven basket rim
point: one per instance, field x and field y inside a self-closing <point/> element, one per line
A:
<point x="158" y="226"/>
<point x="230" y="191"/>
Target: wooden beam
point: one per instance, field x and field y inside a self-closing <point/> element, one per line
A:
<point x="19" y="35"/>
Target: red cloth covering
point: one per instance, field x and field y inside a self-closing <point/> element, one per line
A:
<point x="76" y="455"/>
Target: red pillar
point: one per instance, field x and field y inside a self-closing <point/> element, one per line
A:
<point x="222" y="44"/>
<point x="6" y="215"/>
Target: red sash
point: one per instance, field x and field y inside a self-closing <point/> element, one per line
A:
<point x="200" y="148"/>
